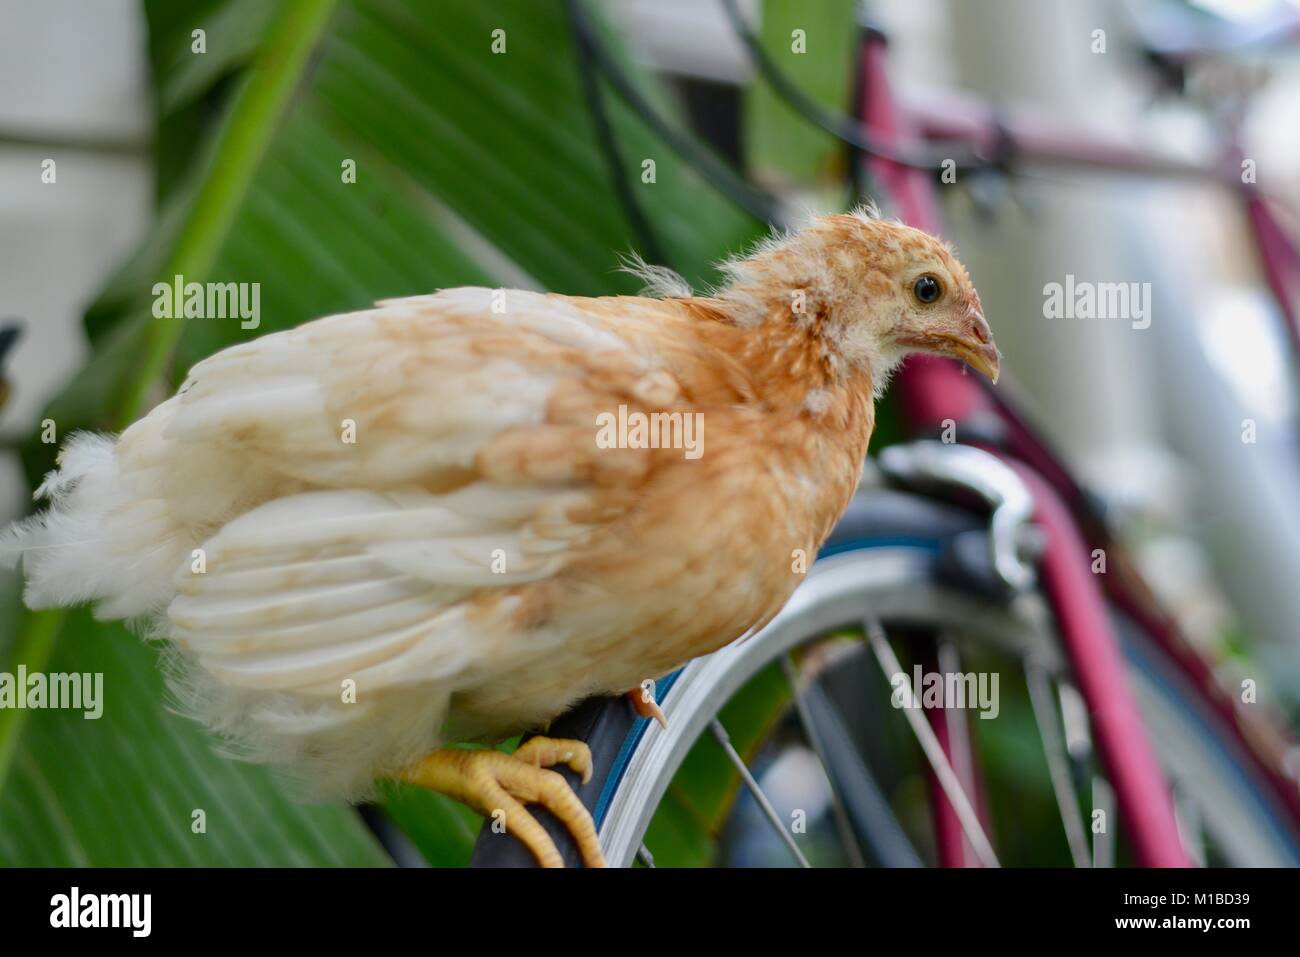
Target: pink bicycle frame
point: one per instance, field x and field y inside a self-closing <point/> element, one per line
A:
<point x="932" y="390"/>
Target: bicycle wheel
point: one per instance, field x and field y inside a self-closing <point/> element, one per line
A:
<point x="906" y="562"/>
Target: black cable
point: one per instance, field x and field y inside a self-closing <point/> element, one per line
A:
<point x="609" y="142"/>
<point x="10" y="330"/>
<point x="858" y="172"/>
<point x="759" y="203"/>
<point x="843" y="127"/>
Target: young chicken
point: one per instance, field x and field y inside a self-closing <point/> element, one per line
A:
<point x="387" y="531"/>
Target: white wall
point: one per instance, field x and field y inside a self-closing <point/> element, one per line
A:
<point x="69" y="70"/>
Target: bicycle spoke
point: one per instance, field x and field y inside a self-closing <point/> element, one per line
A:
<point x="1058" y="763"/>
<point x="955" y="742"/>
<point x="1078" y="744"/>
<point x="1103" y="842"/>
<point x="959" y="744"/>
<point x="932" y="749"/>
<point x="842" y="822"/>
<point x="1074" y="721"/>
<point x="872" y="818"/>
<point x="1190" y="825"/>
<point x="720" y="734"/>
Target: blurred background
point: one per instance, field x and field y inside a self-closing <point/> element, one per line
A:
<point x="483" y="157"/>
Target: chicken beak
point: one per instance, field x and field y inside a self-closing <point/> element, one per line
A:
<point x="977" y="349"/>
<point x="982" y="357"/>
<point x="973" y="345"/>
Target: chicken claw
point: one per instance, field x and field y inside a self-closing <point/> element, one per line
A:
<point x="647" y="707"/>
<point x="498" y="785"/>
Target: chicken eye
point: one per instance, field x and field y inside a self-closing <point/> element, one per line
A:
<point x="927" y="289"/>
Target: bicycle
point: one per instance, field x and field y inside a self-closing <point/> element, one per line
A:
<point x="975" y="552"/>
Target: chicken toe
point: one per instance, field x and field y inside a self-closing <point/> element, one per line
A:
<point x="499" y="785"/>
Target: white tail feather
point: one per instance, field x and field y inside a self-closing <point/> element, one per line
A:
<point x="105" y="538"/>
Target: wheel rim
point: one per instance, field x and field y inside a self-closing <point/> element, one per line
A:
<point x="888" y="583"/>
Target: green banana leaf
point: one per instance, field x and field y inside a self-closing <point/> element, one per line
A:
<point x="812" y="44"/>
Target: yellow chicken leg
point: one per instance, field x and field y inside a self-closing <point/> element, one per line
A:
<point x="498" y="785"/>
